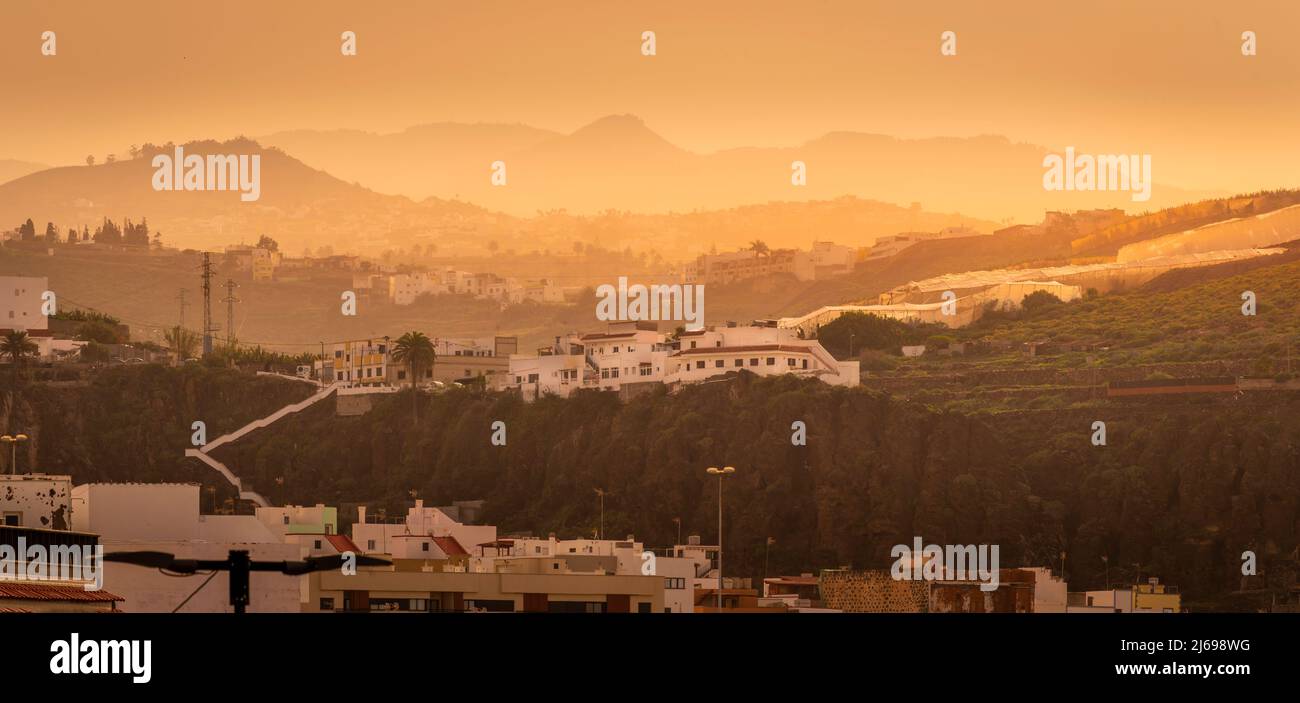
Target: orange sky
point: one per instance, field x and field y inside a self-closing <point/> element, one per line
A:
<point x="1162" y="77"/>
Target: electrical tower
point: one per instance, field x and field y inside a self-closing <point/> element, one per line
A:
<point x="181" y="298"/>
<point x="230" y="301"/>
<point x="207" y="304"/>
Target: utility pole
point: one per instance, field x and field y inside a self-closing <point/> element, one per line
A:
<point x="230" y="301"/>
<point x="207" y="304"/>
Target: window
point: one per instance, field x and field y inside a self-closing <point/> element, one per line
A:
<point x="805" y="363"/>
<point x="740" y="362"/>
<point x="771" y="361"/>
<point x="753" y="362"/>
<point x="424" y="546"/>
<point x="615" y="350"/>
<point x="692" y="345"/>
<point x="370" y="544"/>
<point x="13" y="519"/>
<point x="642" y="607"/>
<point x="317" y="544"/>
<point x="327" y="604"/>
<point x="674" y="584"/>
<point x="699" y="364"/>
<point x="718" y="364"/>
<point x="790" y="362"/>
<point x="286" y="519"/>
<point x="532" y="378"/>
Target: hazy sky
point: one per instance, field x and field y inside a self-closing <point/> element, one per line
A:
<point x="1113" y="76"/>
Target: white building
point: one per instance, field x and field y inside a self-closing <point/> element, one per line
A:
<point x="627" y="352"/>
<point x="766" y="351"/>
<point x="634" y="353"/>
<point x="426" y="533"/>
<point x="20" y="309"/>
<point x="36" y="500"/>
<point x="165" y="517"/>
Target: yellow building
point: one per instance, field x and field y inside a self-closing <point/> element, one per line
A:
<point x="1155" y="597"/>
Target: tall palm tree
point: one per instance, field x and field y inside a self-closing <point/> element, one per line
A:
<point x="759" y="247"/>
<point x="18" y="346"/>
<point x="416" y="351"/>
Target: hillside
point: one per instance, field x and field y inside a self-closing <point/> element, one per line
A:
<point x="1167" y="323"/>
<point x="1181" y="488"/>
<point x="303" y="207"/>
<point x="619" y="162"/>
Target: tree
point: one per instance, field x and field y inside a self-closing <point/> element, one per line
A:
<point x="759" y="247"/>
<point x="90" y="160"/>
<point x="72" y="235"/>
<point x="265" y="242"/>
<point x="182" y="342"/>
<point x="51" y="233"/>
<point x="27" y="231"/>
<point x="18" y="346"/>
<point x="1039" y="300"/>
<point x="416" y="351"/>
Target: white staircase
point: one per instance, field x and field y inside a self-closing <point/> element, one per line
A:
<point x="202" y="453"/>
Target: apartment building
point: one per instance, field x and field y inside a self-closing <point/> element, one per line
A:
<point x="552" y="585"/>
<point x="765" y="351"/>
<point x="633" y="353"/>
<point x="363" y="362"/>
<point x="733" y="266"/>
<point x="625" y="353"/>
<point x="405" y="288"/>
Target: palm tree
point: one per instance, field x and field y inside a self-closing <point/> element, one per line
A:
<point x="17" y="346"/>
<point x="181" y="341"/>
<point x="416" y="351"/>
<point x="759" y="247"/>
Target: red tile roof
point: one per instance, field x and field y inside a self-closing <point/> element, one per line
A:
<point x="28" y="590"/>
<point x="450" y="546"/>
<point x="343" y="544"/>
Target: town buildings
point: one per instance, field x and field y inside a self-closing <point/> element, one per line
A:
<point x="405" y="288"/>
<point x="823" y="260"/>
<point x="369" y="362"/>
<point x="631" y="357"/>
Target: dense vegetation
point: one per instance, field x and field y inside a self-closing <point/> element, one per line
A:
<point x="1181" y="489"/>
<point x="1195" y="323"/>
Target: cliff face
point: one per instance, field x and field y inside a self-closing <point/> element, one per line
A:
<point x="1180" y="490"/>
<point x="134" y="423"/>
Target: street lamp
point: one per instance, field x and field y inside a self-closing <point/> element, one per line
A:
<point x="602" y="493"/>
<point x="720" y="473"/>
<point x="12" y="441"/>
